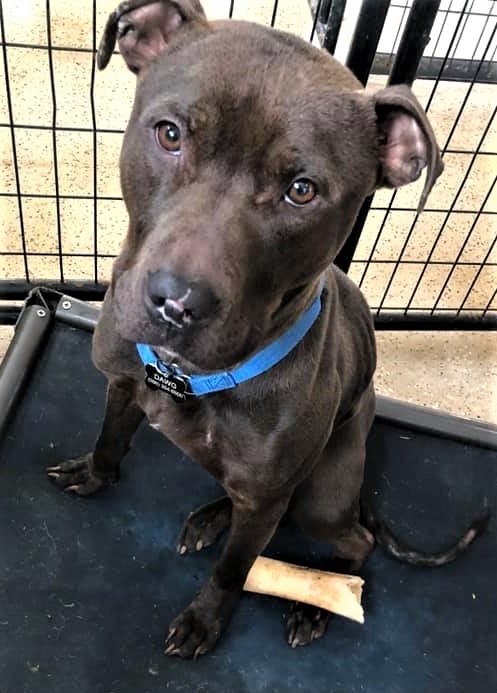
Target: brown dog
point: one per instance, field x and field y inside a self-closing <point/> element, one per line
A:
<point x="246" y="159"/>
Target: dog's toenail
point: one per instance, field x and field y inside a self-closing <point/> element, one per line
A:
<point x="183" y="549"/>
<point x="199" y="545"/>
<point x="199" y="651"/>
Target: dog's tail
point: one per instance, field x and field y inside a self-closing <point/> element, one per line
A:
<point x="406" y="554"/>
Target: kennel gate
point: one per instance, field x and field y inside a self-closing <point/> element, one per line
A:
<point x="54" y="633"/>
<point x="441" y="287"/>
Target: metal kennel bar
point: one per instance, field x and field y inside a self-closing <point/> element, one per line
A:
<point x="333" y="23"/>
<point x="438" y="43"/>
<point x="420" y="19"/>
<point x="414" y="39"/>
<point x="460" y="314"/>
<point x="367" y="34"/>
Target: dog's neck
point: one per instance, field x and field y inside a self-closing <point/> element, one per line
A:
<point x="167" y="376"/>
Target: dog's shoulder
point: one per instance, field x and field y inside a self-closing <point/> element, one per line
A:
<point x="351" y="304"/>
<point x="111" y="354"/>
<point x="351" y="333"/>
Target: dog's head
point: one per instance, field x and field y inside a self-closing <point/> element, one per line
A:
<point x="246" y="159"/>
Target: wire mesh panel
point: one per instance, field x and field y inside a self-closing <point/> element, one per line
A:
<point x="441" y="264"/>
<point x="59" y="189"/>
<point x="61" y="127"/>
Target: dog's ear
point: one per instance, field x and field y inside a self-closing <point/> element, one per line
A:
<point x="406" y="141"/>
<point x="144" y="28"/>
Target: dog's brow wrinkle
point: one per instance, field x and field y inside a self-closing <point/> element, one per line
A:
<point x="162" y="109"/>
<point x="264" y="197"/>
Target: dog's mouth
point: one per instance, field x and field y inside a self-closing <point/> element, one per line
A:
<point x="196" y="342"/>
<point x="201" y="346"/>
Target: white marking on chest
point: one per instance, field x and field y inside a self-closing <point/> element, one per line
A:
<point x="209" y="437"/>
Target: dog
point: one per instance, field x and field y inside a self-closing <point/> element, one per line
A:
<point x="247" y="157"/>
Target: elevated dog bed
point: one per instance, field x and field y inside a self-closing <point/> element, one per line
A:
<point x="89" y="586"/>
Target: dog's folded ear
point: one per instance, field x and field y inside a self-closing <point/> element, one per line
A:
<point x="407" y="142"/>
<point x="144" y="28"/>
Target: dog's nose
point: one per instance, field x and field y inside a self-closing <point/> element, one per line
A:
<point x="178" y="301"/>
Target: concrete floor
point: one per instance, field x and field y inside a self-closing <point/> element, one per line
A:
<point x="453" y="371"/>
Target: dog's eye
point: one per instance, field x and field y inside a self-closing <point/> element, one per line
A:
<point x="169" y="136"/>
<point x="301" y="192"/>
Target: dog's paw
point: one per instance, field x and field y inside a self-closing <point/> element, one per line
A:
<point x="204" y="525"/>
<point x="191" y="634"/>
<point x="197" y="629"/>
<point x="305" y="623"/>
<point x="75" y="476"/>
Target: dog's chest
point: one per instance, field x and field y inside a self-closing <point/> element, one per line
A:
<point x="226" y="442"/>
<point x="192" y="428"/>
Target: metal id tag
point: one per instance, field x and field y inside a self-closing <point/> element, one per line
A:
<point x="174" y="385"/>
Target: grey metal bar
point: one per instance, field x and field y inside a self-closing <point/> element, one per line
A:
<point x="366" y="37"/>
<point x="11" y="290"/>
<point x="436" y="422"/>
<point x="399" y="320"/>
<point x="9" y="314"/>
<point x="77" y="313"/>
<point x="31" y="329"/>
<point x="414" y="40"/>
<point x="336" y="10"/>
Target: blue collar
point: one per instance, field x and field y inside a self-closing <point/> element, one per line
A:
<point x="165" y="376"/>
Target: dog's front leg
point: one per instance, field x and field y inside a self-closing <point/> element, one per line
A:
<point x="199" y="626"/>
<point x="88" y="473"/>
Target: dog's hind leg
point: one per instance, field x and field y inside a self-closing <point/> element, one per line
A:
<point x="306" y="622"/>
<point x="326" y="507"/>
<point x="204" y="525"/>
<point x="88" y="473"/>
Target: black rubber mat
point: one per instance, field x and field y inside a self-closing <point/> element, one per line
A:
<point x="88" y="586"/>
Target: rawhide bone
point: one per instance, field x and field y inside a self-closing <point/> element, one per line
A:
<point x="335" y="592"/>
